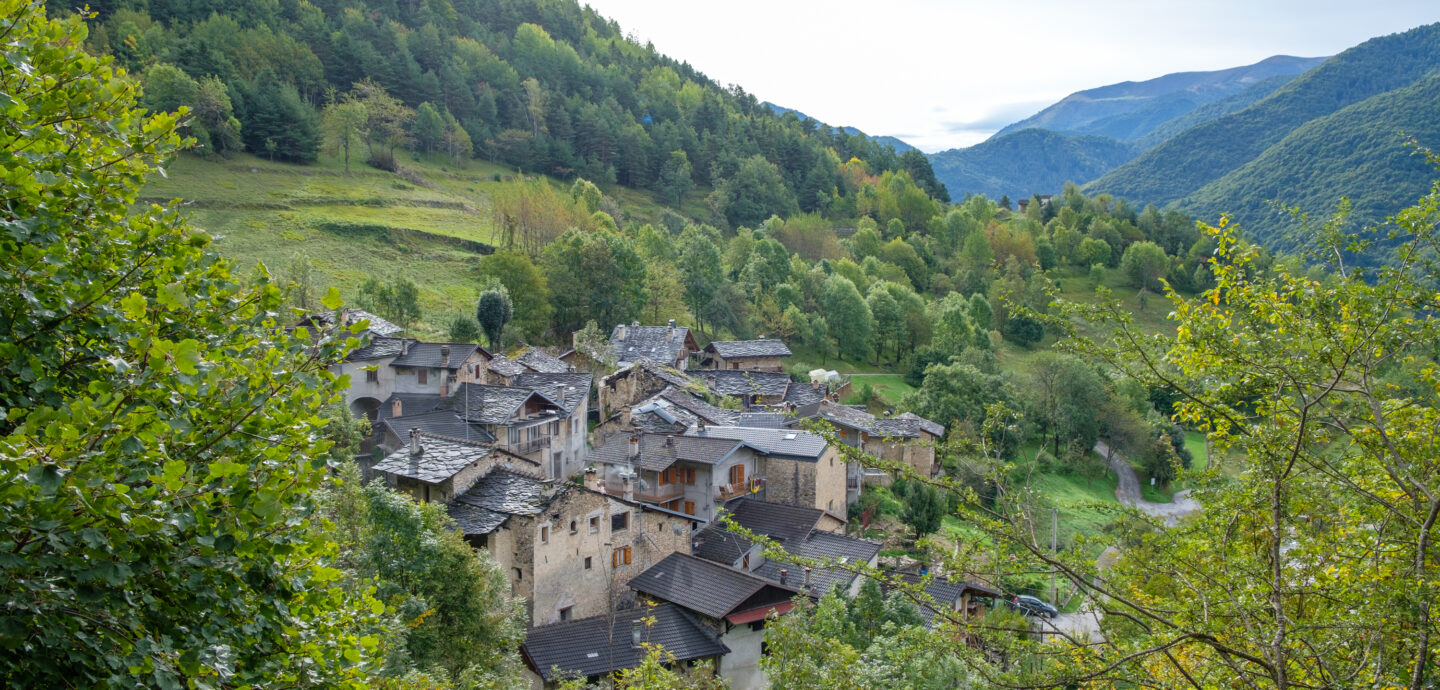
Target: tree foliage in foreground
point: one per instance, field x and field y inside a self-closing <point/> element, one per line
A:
<point x="160" y="431"/>
<point x="1313" y="563"/>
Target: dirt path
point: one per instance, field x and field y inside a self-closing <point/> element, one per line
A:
<point x="1128" y="490"/>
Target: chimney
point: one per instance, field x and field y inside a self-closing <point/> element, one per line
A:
<point x="634" y="447"/>
<point x="415" y="448"/>
<point x="784" y="572"/>
<point x="404" y="346"/>
<point x="620" y="332"/>
<point x="669" y="441"/>
<point x="807" y="576"/>
<point x="395" y="408"/>
<point x="637" y="631"/>
<point x="699" y="425"/>
<point x="627" y="485"/>
<point x="445" y="356"/>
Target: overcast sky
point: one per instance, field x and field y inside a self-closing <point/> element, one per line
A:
<point x="943" y="74"/>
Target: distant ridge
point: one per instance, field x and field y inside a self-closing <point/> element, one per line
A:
<point x="1030" y="161"/>
<point x="899" y="145"/>
<point x="1129" y="110"/>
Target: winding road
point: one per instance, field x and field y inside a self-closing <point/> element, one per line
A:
<point x="1128" y="490"/>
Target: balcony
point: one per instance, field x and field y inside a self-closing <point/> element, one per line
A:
<point x="531" y="446"/>
<point x="663" y="493"/>
<point x="725" y="492"/>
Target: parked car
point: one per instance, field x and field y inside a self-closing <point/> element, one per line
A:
<point x="1032" y="606"/>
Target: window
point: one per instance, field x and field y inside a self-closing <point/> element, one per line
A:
<point x="734" y="365"/>
<point x="572" y="526"/>
<point x="689" y="507"/>
<point x="737" y="474"/>
<point x="427" y="493"/>
<point x="687" y="475"/>
<point x="555" y="428"/>
<point x="587" y="562"/>
<point x="477" y="372"/>
<point x="667" y="477"/>
<point x="620" y="557"/>
<point x="423" y="374"/>
<point x="565" y="613"/>
<point x="518" y="574"/>
<point x="372" y="375"/>
<point x="594" y="524"/>
<point x="745" y="562"/>
<point x="514" y="435"/>
<point x="544" y="534"/>
<point x="619" y="521"/>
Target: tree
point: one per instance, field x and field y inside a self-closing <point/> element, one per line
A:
<point x="492" y="311"/>
<point x="429" y="128"/>
<point x="889" y="321"/>
<point x="1023" y="330"/>
<point x="452" y="603"/>
<point x="345" y="124"/>
<point x="593" y="275"/>
<point x="700" y="272"/>
<point x="1145" y="263"/>
<point x="388" y="122"/>
<point x="675" y="181"/>
<point x="464" y="329"/>
<point x="958" y="395"/>
<point x="397" y="300"/>
<point x="848" y="318"/>
<point x="528" y="290"/>
<point x="1093" y="252"/>
<point x="755" y="192"/>
<point x="275" y="121"/>
<point x="924" y="510"/>
<point x="163" y="432"/>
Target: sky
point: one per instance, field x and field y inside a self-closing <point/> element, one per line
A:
<point x="945" y="74"/>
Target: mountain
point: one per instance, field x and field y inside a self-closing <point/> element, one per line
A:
<point x="1030" y="161"/>
<point x="1357" y="151"/>
<point x="1130" y="110"/>
<point x="894" y="142"/>
<point x="1187" y="162"/>
<point x="1213" y="110"/>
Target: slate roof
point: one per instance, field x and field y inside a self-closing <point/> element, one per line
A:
<point x="377" y="325"/>
<point x="804" y="394"/>
<point x="907" y="425"/>
<point x="672" y="411"/>
<point x="492" y="500"/>
<point x="715" y="543"/>
<point x="377" y="348"/>
<point x="775" y="520"/>
<point x="658" y="452"/>
<point x="823" y="546"/>
<point x="666" y="373"/>
<point x="427" y="355"/>
<point x="762" y="420"/>
<point x="655" y="343"/>
<point x="801" y="445"/>
<point x="595" y="647"/>
<point x="697" y="584"/>
<point x="437" y="423"/>
<point x="542" y="362"/>
<point x="742" y="349"/>
<point x="944" y="593"/>
<point x="566" y="389"/>
<point x="504" y="366"/>
<point x="410" y="404"/>
<point x="738" y="382"/>
<point x="440" y="459"/>
<point x="489" y="404"/>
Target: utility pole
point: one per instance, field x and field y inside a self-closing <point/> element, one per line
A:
<point x="1054" y="534"/>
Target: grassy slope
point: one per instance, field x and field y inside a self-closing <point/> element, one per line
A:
<point x="357" y="225"/>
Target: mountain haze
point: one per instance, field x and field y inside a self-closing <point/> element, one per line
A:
<point x="1203" y="154"/>
<point x="1030" y="161"/>
<point x="1130" y="110"/>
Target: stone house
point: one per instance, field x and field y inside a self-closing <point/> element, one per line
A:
<point x="436" y="468"/>
<point x="794" y="467"/>
<point x="802" y="532"/>
<point x="682" y="473"/>
<point x="503" y="371"/>
<point x="566" y="549"/>
<point x="746" y="355"/>
<point x="943" y="598"/>
<point x="593" y="648"/>
<point x="666" y="345"/>
<point x="636" y="382"/>
<point x="435" y="367"/>
<point x="541" y="418"/>
<point x="906" y="438"/>
<point x="729" y="601"/>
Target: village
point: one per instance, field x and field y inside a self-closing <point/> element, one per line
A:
<point x="602" y="483"/>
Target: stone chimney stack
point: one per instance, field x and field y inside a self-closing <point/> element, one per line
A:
<point x="637" y="632"/>
<point x="395" y="408"/>
<point x="620" y="332"/>
<point x="784" y="573"/>
<point x="670" y="332"/>
<point x="807" y="576"/>
<point x="627" y="485"/>
<point x="445" y="356"/>
<point x="634" y="447"/>
<point x="415" y="448"/>
<point x="404" y="346"/>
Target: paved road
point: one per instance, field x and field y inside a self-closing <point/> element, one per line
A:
<point x="1082" y="625"/>
<point x="1128" y="490"/>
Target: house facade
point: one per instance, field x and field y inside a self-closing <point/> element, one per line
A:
<point x="745" y="355"/>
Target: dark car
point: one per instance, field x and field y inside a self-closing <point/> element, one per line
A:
<point x="1032" y="606"/>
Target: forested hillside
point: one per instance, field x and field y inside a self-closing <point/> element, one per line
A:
<point x="1203" y="154"/>
<point x="541" y="85"/>
<point x="1030" y="161"/>
<point x="1129" y="110"/>
<point x="899" y="145"/>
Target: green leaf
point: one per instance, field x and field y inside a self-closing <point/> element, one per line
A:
<point x="225" y="468"/>
<point x="187" y="356"/>
<point x="332" y="299"/>
<point x="47" y="477"/>
<point x="133" y="305"/>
